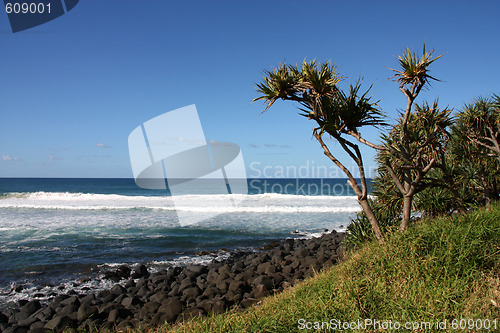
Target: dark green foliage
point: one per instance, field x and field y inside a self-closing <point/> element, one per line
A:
<point x="359" y="230"/>
<point x="434" y="201"/>
<point x="475" y="138"/>
<point x="427" y="136"/>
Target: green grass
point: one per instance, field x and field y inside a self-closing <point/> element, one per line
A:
<point x="446" y="268"/>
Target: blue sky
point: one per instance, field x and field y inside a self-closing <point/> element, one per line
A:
<point x="73" y="89"/>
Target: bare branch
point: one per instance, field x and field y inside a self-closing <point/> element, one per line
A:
<point x="394" y="176"/>
<point x="327" y="152"/>
<point x="358" y="137"/>
<point x="359" y="161"/>
<point x="428" y="166"/>
<point x="483" y="144"/>
<point x="343" y="142"/>
<point x="494" y="139"/>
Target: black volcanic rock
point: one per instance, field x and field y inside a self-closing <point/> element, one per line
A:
<point x="142" y="299"/>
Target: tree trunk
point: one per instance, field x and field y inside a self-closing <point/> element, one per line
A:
<point x="373" y="220"/>
<point x="458" y="200"/>
<point x="488" y="193"/>
<point x="407" y="201"/>
<point x="361" y="193"/>
<point x="488" y="197"/>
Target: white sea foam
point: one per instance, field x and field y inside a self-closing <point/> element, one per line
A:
<point x="260" y="203"/>
<point x="188" y="260"/>
<point x="9" y="297"/>
<point x="80" y="217"/>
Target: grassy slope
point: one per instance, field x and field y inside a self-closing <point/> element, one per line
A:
<point x="443" y="268"/>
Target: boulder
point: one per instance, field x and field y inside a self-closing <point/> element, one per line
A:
<point x="191" y="293"/>
<point x="131" y="301"/>
<point x="86" y="311"/>
<point x="248" y="302"/>
<point x="265" y="281"/>
<point x="139" y="272"/>
<point x="236" y="286"/>
<point x="261" y="291"/>
<point x="117" y="290"/>
<point x="119" y="313"/>
<point x="168" y="311"/>
<point x="31" y="307"/>
<point x="59" y="323"/>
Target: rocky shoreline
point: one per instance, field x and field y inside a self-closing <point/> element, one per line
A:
<point x="143" y="299"/>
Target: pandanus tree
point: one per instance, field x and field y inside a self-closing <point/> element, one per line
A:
<point x="411" y="148"/>
<point x="340" y="114"/>
<point x="481" y="119"/>
<point x="410" y="156"/>
<point x="476" y="144"/>
<point x="479" y="169"/>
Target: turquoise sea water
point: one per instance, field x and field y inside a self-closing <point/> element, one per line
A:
<point x="59" y="230"/>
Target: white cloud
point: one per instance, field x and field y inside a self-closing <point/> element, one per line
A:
<point x="10" y="158"/>
<point x="271" y="145"/>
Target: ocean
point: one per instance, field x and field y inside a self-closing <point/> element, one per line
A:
<point x="61" y="234"/>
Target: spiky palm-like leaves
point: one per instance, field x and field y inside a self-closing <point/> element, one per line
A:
<point x="359" y="230"/>
<point x="426" y="131"/>
<point x="475" y="145"/>
<point x="347" y="112"/>
<point x="278" y="83"/>
<point x="481" y="121"/>
<point x="414" y="71"/>
<point x="312" y="82"/>
<point x="409" y="161"/>
<point x="315" y="87"/>
<point x="427" y="174"/>
<point x="478" y="116"/>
